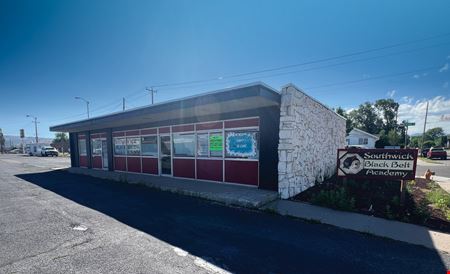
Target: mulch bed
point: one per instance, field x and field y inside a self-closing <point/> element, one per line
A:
<point x="380" y="199"/>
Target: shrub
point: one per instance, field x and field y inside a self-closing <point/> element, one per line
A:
<point x="439" y="197"/>
<point x="338" y="199"/>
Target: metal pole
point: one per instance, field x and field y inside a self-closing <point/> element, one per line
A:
<point x="424" y="126"/>
<point x="35" y="130"/>
<point x="123" y="103"/>
<point x="152" y="91"/>
<point x="87" y="106"/>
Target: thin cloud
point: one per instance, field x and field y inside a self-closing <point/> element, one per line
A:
<point x="417" y="76"/>
<point x="391" y="93"/>
<point x="415" y="112"/>
<point x="445" y="85"/>
<point x="407" y="99"/>
<point x="444" y="68"/>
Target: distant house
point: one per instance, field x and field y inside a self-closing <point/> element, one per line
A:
<point x="358" y="137"/>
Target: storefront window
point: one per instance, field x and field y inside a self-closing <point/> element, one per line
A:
<point x="242" y="144"/>
<point x="133" y="146"/>
<point x="216" y="144"/>
<point x="96" y="145"/>
<point x="202" y="145"/>
<point x="82" y="147"/>
<point x="119" y="146"/>
<point x="149" y="146"/>
<point x="184" y="145"/>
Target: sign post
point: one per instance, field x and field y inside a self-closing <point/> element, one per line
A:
<point x="379" y="164"/>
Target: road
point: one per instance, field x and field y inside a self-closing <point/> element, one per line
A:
<point x="440" y="167"/>
<point x="55" y="222"/>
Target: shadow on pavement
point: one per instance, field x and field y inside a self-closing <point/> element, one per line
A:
<point x="240" y="240"/>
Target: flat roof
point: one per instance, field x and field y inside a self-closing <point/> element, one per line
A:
<point x="239" y="98"/>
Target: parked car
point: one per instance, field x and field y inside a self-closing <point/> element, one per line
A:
<point x="49" y="151"/>
<point x="424" y="152"/>
<point x="437" y="152"/>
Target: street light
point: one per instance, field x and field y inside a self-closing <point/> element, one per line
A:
<point x="35" y="127"/>
<point x="87" y="104"/>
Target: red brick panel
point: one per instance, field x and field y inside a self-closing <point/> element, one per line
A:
<point x="132" y="133"/>
<point x="252" y="122"/>
<point x="120" y="163"/>
<point x="96" y="162"/>
<point x="241" y="172"/>
<point x="206" y="126"/>
<point x="134" y="164"/>
<point x="184" y="168"/>
<point x="182" y="128"/>
<point x="118" y="134"/>
<point x="83" y="161"/>
<point x="149" y="131"/>
<point x="210" y="170"/>
<point x="164" y="130"/>
<point x="150" y="165"/>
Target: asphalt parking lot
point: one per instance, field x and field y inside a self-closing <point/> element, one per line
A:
<point x="55" y="222"/>
<point x="440" y="167"/>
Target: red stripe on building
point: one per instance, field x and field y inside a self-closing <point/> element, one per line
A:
<point x="184" y="168"/>
<point x="252" y="122"/>
<point x="182" y="128"/>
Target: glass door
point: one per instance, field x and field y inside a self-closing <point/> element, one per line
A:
<point x="165" y="156"/>
<point x="105" y="154"/>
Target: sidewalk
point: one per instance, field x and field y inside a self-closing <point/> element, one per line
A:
<point x="443" y="182"/>
<point x="229" y="194"/>
<point x="409" y="233"/>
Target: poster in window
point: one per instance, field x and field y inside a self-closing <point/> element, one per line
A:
<point x="202" y="145"/>
<point x="119" y="146"/>
<point x="216" y="144"/>
<point x="241" y="144"/>
<point x="133" y="146"/>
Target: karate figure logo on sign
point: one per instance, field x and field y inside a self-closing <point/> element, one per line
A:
<point x="351" y="163"/>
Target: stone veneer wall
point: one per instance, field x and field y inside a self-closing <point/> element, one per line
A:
<point x="310" y="135"/>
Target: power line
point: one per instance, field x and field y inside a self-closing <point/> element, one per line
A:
<point x="204" y="81"/>
<point x="305" y="63"/>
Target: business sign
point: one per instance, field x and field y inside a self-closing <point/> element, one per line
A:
<point x="215" y="142"/>
<point x="241" y="144"/>
<point x="390" y="164"/>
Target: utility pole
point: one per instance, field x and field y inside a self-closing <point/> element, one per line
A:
<point x="152" y="91"/>
<point x="35" y="127"/>
<point x="123" y="103"/>
<point x="87" y="104"/>
<point x="424" y="127"/>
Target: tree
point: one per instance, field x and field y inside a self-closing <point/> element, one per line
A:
<point x="348" y="122"/>
<point x="387" y="108"/>
<point x="2" y="142"/>
<point x="366" y="118"/>
<point x="61" y="141"/>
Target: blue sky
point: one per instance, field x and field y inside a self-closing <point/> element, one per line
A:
<point x="52" y="51"/>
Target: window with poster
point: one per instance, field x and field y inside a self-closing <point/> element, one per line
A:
<point x="120" y="146"/>
<point x="133" y="146"/>
<point x="242" y="144"/>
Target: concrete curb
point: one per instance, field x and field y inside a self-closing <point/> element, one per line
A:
<point x="228" y="194"/>
<point x="410" y="233"/>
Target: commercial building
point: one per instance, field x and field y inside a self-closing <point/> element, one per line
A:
<point x="234" y="135"/>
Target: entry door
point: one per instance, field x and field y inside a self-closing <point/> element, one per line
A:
<point x="165" y="155"/>
<point x="104" y="154"/>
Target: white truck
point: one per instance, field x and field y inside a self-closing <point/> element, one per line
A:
<point x="34" y="149"/>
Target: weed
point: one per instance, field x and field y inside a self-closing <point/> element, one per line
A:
<point x="338" y="199"/>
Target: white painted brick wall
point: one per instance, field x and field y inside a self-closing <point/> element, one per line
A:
<point x="310" y="135"/>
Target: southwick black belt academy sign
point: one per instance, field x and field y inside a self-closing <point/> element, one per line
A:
<point x="391" y="164"/>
